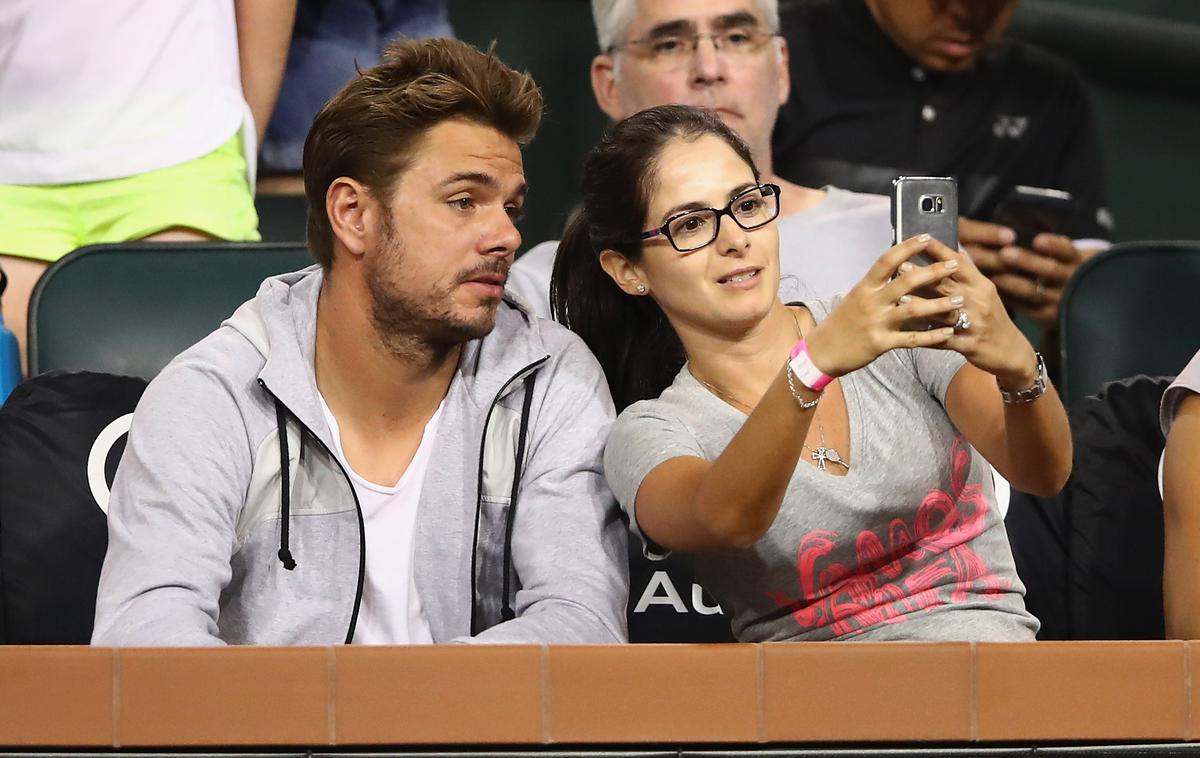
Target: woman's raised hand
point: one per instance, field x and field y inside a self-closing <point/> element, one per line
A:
<point x="883" y="311"/>
<point x="983" y="331"/>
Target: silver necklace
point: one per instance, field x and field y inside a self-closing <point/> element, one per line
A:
<point x="823" y="454"/>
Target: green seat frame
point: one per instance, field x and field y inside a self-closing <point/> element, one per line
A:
<point x="1132" y="309"/>
<point x="130" y="308"/>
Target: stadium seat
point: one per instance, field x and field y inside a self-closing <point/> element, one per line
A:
<point x="1128" y="311"/>
<point x="281" y="218"/>
<point x="130" y="308"/>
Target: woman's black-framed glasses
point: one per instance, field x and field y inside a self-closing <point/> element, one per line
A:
<point x="691" y="230"/>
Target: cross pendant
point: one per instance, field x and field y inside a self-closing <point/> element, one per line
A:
<point x="824" y="455"/>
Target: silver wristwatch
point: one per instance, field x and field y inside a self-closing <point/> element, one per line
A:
<point x="1031" y="393"/>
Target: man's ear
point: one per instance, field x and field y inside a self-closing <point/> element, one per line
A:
<point x="604" y="86"/>
<point x="785" y="72"/>
<point x="351" y="210"/>
<point x="624" y="272"/>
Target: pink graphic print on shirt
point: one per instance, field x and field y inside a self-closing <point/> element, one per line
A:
<point x="878" y="590"/>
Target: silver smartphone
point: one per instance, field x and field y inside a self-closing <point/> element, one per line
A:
<point x="925" y="205"/>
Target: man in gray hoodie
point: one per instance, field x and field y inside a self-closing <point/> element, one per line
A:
<point x="382" y="448"/>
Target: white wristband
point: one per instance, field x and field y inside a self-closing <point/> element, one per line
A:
<point x="800" y="363"/>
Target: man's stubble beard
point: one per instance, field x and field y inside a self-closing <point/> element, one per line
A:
<point x="415" y="328"/>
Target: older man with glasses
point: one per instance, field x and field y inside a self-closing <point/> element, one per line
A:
<point x="726" y="56"/>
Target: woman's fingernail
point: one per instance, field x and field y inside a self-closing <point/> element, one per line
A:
<point x="924" y="237"/>
<point x="1007" y="236"/>
<point x="956" y="300"/>
<point x="905" y="299"/>
<point x="948" y="331"/>
<point x="1010" y="253"/>
<point x="905" y="267"/>
<point x="952" y="264"/>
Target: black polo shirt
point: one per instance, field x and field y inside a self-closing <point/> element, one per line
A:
<point x="861" y="113"/>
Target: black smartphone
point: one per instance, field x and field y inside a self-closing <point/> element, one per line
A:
<point x="925" y="205"/>
<point x="1029" y="211"/>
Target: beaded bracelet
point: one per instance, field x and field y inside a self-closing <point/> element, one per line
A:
<point x="806" y="405"/>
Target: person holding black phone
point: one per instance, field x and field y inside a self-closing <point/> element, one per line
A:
<point x="1027" y="252"/>
<point x="885" y="88"/>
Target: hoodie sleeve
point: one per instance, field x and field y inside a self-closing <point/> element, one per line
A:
<point x="569" y="538"/>
<point x="173" y="513"/>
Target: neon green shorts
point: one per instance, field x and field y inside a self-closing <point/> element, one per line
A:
<point x="208" y="194"/>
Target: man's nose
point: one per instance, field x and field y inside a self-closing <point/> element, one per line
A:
<point x="974" y="16"/>
<point x="502" y="236"/>
<point x="707" y="64"/>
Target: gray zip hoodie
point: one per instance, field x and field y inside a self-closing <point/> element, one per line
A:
<point x="222" y="529"/>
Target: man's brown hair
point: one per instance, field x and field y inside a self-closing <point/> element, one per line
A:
<point x="369" y="130"/>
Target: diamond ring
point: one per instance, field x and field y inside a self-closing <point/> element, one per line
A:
<point x="964" y="321"/>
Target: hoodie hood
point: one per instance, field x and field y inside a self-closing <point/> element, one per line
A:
<point x="281" y="322"/>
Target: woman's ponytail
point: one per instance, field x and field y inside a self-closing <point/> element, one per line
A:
<point x="630" y="336"/>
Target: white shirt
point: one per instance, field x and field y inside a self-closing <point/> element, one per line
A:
<point x="390" y="612"/>
<point x="93" y="90"/>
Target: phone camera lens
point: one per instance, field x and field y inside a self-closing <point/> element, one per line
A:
<point x="931" y="204"/>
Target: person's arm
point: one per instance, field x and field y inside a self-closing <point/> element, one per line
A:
<point x="172" y="515"/>
<point x="264" y="30"/>
<point x="569" y="543"/>
<point x="1028" y="443"/>
<point x="1181" y="523"/>
<point x="687" y="503"/>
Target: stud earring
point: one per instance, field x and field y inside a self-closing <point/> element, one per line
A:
<point x="641" y="288"/>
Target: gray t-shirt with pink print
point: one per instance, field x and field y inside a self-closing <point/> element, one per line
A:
<point x="909" y="545"/>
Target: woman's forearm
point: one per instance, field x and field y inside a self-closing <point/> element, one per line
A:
<point x="1028" y="443"/>
<point x="1038" y="444"/>
<point x="740" y="494"/>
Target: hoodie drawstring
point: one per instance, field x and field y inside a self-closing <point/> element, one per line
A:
<point x="506" y="612"/>
<point x="285" y="495"/>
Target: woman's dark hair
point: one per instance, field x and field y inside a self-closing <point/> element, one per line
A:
<point x="631" y="337"/>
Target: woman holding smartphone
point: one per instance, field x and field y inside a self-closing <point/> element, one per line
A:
<point x="817" y="460"/>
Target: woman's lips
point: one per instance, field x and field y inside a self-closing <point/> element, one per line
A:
<point x="742" y="278"/>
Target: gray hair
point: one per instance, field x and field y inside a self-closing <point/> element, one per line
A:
<point x="613" y="17"/>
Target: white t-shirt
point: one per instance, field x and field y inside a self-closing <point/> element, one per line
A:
<point x="823" y="250"/>
<point x="95" y="90"/>
<point x="390" y="612"/>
